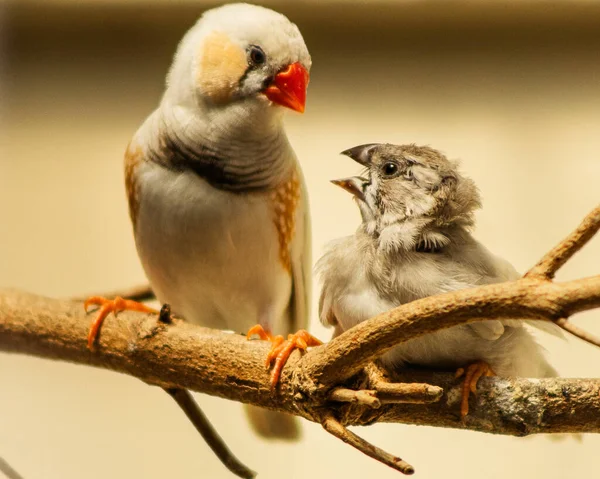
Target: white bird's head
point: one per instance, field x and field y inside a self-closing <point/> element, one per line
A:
<point x="413" y="194"/>
<point x="240" y="55"/>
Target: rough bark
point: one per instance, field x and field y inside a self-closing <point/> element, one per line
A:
<point x="227" y="365"/>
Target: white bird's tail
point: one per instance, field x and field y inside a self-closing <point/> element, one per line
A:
<point x="272" y="424"/>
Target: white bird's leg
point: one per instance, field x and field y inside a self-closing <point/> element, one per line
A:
<point x="108" y="306"/>
<point x="282" y="349"/>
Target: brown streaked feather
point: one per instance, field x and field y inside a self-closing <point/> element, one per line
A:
<point x="285" y="200"/>
<point x="222" y="64"/>
<point x="133" y="157"/>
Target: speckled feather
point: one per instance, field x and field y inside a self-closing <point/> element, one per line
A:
<point x="285" y="200"/>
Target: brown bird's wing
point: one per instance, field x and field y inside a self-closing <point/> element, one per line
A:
<point x="509" y="273"/>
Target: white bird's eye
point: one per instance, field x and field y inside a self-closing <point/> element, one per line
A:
<point x="257" y="55"/>
<point x="390" y="169"/>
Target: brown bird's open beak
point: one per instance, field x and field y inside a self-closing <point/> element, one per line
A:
<point x="288" y="87"/>
<point x="352" y="185"/>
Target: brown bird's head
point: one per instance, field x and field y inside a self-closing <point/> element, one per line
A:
<point x="410" y="194"/>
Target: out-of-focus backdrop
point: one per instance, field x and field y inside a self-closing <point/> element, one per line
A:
<point x="510" y="88"/>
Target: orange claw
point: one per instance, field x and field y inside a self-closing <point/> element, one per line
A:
<point x="106" y="307"/>
<point x="281" y="349"/>
<point x="472" y="374"/>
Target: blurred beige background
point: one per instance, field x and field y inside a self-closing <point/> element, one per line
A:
<point x="513" y="89"/>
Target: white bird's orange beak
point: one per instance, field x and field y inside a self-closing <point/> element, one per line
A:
<point x="288" y="87"/>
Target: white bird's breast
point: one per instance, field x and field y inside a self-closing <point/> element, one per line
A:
<point x="213" y="255"/>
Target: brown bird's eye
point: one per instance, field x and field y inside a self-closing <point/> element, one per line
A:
<point x="390" y="169"/>
<point x="257" y="56"/>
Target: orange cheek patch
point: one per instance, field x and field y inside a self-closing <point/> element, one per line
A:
<point x="285" y="201"/>
<point x="133" y="156"/>
<point x="222" y="64"/>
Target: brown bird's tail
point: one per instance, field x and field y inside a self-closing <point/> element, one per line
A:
<point x="272" y="424"/>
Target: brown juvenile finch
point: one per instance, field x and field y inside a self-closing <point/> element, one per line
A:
<point x="414" y="242"/>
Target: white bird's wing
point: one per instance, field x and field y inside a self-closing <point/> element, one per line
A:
<point x="301" y="258"/>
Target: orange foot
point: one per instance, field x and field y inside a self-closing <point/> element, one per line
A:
<point x="106" y="307"/>
<point x="281" y="349"/>
<point x="472" y="374"/>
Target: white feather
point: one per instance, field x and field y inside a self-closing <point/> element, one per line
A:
<point x="215" y="255"/>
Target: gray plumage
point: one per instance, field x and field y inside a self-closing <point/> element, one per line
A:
<point x="414" y="242"/>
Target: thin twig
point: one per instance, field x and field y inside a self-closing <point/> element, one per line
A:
<point x="407" y="393"/>
<point x="208" y="432"/>
<point x="8" y="471"/>
<point x="563" y="251"/>
<point x="335" y="428"/>
<point x="136" y="293"/>
<point x="362" y="396"/>
<point x="388" y="393"/>
<point x="578" y="332"/>
<point x="394" y="392"/>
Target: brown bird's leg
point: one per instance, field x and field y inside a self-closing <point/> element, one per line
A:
<point x="281" y="349"/>
<point x="472" y="373"/>
<point x="108" y="306"/>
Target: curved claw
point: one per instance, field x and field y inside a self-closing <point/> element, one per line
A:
<point x="282" y="349"/>
<point x="93" y="300"/>
<point x="277" y="345"/>
<point x="259" y="331"/>
<point x="106" y="307"/>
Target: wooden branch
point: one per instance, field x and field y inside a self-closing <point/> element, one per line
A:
<point x="547" y="267"/>
<point x="227" y="365"/>
<point x="535" y="403"/>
